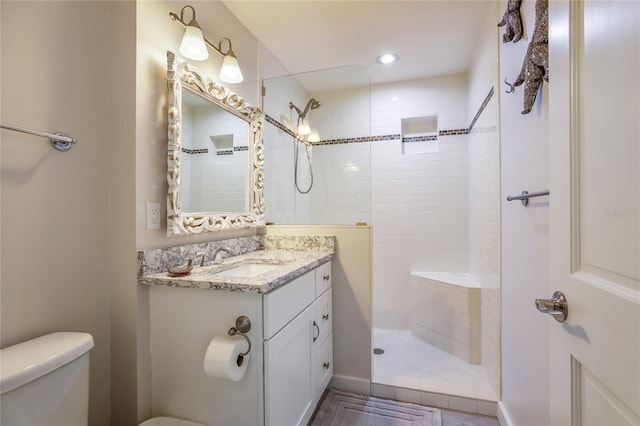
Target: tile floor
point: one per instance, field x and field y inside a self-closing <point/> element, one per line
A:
<point x="412" y="364"/>
<point x="449" y="417"/>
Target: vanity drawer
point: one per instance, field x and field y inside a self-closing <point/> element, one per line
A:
<point x="323" y="278"/>
<point x="283" y="304"/>
<point x="323" y="318"/>
<point x="324" y="365"/>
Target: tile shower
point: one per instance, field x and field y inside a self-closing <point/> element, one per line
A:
<point x="434" y="212"/>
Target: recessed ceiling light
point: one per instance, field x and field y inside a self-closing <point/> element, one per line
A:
<point x="395" y="98"/>
<point x="387" y="58"/>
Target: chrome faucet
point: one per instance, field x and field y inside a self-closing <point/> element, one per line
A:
<point x="204" y="257"/>
<point x="217" y="252"/>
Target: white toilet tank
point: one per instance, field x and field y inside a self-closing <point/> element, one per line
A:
<point x="45" y="381"/>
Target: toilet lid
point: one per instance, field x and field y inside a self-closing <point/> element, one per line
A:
<point x="168" y="421"/>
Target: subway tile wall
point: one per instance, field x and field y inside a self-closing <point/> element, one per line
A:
<point x="341" y="177"/>
<point x="419" y="201"/>
<point x="342" y="173"/>
<point x="420" y="221"/>
<point x="484" y="194"/>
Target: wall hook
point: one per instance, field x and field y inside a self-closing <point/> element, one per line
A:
<point x="512" y="87"/>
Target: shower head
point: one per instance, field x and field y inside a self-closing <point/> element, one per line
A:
<point x="312" y="104"/>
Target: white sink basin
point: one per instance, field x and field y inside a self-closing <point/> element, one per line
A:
<point x="248" y="270"/>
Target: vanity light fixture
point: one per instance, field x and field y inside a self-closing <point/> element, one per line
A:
<point x="230" y="71"/>
<point x="194" y="44"/>
<point x="314" y="136"/>
<point x="387" y="58"/>
<point x="304" y="128"/>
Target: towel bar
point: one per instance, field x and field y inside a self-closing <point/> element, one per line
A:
<point x="525" y="195"/>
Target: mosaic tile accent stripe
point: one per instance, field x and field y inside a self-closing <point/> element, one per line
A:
<point x="482" y="107"/>
<point x="279" y="125"/>
<point x="420" y="138"/>
<point x="450" y="132"/>
<point x="453" y="132"/>
<point x="393" y="137"/>
<point x="195" y="151"/>
<point x="358" y="140"/>
<point x="220" y="152"/>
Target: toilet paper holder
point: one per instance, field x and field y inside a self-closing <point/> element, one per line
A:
<point x="243" y="325"/>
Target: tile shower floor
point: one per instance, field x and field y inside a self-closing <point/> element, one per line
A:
<point x="410" y="363"/>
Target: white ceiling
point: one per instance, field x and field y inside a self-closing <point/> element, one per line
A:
<point x="431" y="37"/>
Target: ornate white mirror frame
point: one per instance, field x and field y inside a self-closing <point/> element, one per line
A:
<point x="182" y="75"/>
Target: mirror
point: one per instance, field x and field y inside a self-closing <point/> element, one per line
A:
<point x="215" y="155"/>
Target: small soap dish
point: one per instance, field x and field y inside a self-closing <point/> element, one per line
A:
<point x="181" y="270"/>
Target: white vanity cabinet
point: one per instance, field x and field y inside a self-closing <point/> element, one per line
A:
<point x="298" y="347"/>
<point x="290" y="363"/>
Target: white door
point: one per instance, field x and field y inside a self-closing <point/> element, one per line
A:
<point x="595" y="210"/>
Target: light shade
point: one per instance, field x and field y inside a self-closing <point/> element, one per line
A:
<point x="314" y="136"/>
<point x="230" y="71"/>
<point x="303" y="128"/>
<point x="192" y="45"/>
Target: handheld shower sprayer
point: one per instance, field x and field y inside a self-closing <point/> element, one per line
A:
<point x="304" y="134"/>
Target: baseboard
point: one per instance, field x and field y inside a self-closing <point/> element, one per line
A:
<point x="503" y="415"/>
<point x="351" y="384"/>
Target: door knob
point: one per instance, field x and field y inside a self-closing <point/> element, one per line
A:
<point x="556" y="306"/>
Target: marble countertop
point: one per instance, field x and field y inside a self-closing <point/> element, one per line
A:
<point x="288" y="265"/>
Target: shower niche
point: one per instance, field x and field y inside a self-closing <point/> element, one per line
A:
<point x="420" y="135"/>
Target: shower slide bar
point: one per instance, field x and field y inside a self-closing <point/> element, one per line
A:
<point x="60" y="141"/>
<point x="525" y="195"/>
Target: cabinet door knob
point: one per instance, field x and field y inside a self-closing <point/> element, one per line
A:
<point x="326" y="277"/>
<point x="326" y="365"/>
<point x="325" y="317"/>
<point x="315" y="324"/>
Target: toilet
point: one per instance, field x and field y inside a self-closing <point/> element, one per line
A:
<point x="45" y="381"/>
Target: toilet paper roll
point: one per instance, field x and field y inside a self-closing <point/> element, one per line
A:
<point x="223" y="360"/>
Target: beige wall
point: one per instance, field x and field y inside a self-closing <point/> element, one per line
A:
<point x="351" y="301"/>
<point x="122" y="259"/>
<point x="54" y="232"/>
